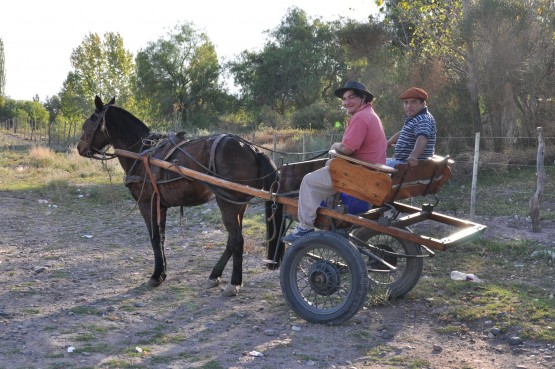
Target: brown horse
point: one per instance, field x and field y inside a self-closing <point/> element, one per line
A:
<point x="225" y="156"/>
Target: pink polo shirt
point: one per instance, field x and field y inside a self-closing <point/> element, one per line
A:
<point x="365" y="135"/>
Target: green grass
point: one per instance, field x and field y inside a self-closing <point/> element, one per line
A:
<point x="84" y="310"/>
<point x="515" y="299"/>
<point x="406" y="362"/>
<point x="499" y="194"/>
<point x="120" y="364"/>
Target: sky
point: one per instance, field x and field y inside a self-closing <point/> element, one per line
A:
<point x="40" y="35"/>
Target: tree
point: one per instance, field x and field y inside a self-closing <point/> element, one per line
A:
<point x="25" y="112"/>
<point x="298" y="66"/>
<point x="2" y="71"/>
<point x="533" y="86"/>
<point x="53" y="105"/>
<point x="100" y="67"/>
<point x="177" y="78"/>
<point x="515" y="43"/>
<point x="430" y="29"/>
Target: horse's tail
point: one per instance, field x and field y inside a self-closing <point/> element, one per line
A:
<point x="273" y="212"/>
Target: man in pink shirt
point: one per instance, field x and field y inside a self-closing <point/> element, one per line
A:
<point x="364" y="139"/>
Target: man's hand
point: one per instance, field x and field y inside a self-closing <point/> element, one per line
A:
<point x="419" y="147"/>
<point x="412" y="161"/>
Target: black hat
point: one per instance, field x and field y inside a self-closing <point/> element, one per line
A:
<point x="356" y="86"/>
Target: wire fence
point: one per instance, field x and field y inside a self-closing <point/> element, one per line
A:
<point x="55" y="136"/>
<point x="292" y="146"/>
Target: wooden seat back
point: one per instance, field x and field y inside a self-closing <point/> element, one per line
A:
<point x="423" y="179"/>
<point x="359" y="181"/>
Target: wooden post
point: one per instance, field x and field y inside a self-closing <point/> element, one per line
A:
<point x="304" y="146"/>
<point x="540" y="184"/>
<point x="474" y="176"/>
<point x="275" y="147"/>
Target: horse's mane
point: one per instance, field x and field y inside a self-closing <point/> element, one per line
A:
<point x="131" y="117"/>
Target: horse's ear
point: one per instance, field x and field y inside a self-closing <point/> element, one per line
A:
<point x="98" y="103"/>
<point x="113" y="101"/>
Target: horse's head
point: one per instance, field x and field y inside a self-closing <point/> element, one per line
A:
<point x="95" y="137"/>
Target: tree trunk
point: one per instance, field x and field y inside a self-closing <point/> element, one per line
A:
<point x="508" y="117"/>
<point x="540" y="173"/>
<point x="472" y="81"/>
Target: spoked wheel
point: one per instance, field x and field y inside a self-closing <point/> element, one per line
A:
<point x="323" y="278"/>
<point x="392" y="250"/>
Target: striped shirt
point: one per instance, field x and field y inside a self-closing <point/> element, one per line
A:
<point x="422" y="124"/>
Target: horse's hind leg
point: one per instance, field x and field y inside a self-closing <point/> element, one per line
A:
<point x="232" y="216"/>
<point x="157" y="238"/>
<point x="217" y="271"/>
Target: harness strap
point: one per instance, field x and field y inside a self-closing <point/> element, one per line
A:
<point x="174" y="148"/>
<point x="154" y="185"/>
<point x="212" y="160"/>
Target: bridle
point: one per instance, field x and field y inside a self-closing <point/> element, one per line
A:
<point x="99" y="122"/>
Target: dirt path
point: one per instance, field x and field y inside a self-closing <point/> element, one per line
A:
<point x="74" y="277"/>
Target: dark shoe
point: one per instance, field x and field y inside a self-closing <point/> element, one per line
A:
<point x="296" y="234"/>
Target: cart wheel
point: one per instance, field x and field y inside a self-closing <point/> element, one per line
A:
<point x="323" y="278"/>
<point x="409" y="269"/>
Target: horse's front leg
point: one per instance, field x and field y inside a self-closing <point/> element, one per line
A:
<point x="157" y="234"/>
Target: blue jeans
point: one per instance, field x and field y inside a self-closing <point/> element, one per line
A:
<point x="392" y="162"/>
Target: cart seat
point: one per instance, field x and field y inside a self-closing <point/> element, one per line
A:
<point x="383" y="186"/>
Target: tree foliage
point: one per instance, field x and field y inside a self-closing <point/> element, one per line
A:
<point x="496" y="47"/>
<point x="2" y="70"/>
<point x="488" y="66"/>
<point x="32" y="112"/>
<point x="177" y="78"/>
<point x="101" y="66"/>
<point x="297" y="67"/>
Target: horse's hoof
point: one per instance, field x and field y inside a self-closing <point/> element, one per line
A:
<point x="154" y="282"/>
<point x="211" y="283"/>
<point x="230" y="290"/>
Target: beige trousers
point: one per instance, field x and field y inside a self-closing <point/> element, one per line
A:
<point x="315" y="187"/>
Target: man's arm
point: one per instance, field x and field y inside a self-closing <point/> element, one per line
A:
<point x="342" y="149"/>
<point x="419" y="147"/>
<point x="393" y="140"/>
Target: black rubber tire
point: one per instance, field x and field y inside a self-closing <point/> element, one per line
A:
<point x="324" y="278"/>
<point x="409" y="270"/>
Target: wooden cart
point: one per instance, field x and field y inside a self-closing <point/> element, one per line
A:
<point x="326" y="275"/>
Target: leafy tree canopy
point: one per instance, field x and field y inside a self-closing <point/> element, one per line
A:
<point x="297" y="67"/>
<point x="2" y="70"/>
<point x="101" y="66"/>
<point x="177" y="77"/>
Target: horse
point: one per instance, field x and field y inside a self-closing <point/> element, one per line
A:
<point x="155" y="189"/>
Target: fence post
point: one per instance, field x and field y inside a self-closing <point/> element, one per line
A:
<point x="474" y="176"/>
<point x="275" y="147"/>
<point x="540" y="184"/>
<point x="304" y="146"/>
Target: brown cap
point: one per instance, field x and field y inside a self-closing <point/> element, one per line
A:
<point x="414" y="93"/>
